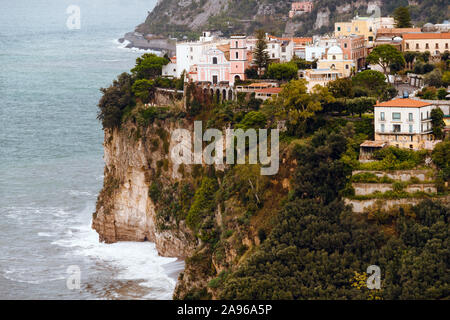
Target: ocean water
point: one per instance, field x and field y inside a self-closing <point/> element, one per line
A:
<point x="51" y="166"/>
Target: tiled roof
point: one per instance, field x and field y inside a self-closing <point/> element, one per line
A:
<point x="269" y="90"/>
<point x="373" y="144"/>
<point x="397" y="30"/>
<point x="403" y="103"/>
<point x="442" y="35"/>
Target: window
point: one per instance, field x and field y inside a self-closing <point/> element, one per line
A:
<point x="346" y="66"/>
<point x="370" y="38"/>
<point x="427" y="46"/>
<point x="237" y="44"/>
<point x="334" y="57"/>
<point x="437" y="45"/>
<point x="410" y="117"/>
<point x="382" y="116"/>
<point x="382" y="127"/>
<point x="338" y="28"/>
<point x="192" y="49"/>
<point x="396" y="128"/>
<point x="410" y="128"/>
<point x="417" y="46"/>
<point x="396" y="116"/>
<point x="446" y="46"/>
<point x="349" y="29"/>
<point x="345" y="45"/>
<point x="215" y="79"/>
<point x="407" y="46"/>
<point x="214" y="60"/>
<point x="237" y="55"/>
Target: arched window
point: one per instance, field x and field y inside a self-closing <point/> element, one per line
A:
<point x="333" y="67"/>
<point x="346" y="66"/>
<point x="214" y="60"/>
<point x="334" y="57"/>
<point x="237" y="55"/>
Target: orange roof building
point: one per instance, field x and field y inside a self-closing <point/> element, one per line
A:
<point x="404" y="123"/>
<point x="435" y="43"/>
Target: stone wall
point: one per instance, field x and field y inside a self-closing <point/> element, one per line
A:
<point x="401" y="175"/>
<point x="362" y="189"/>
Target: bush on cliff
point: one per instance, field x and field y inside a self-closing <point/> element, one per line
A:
<point x="116" y="98"/>
<point x="203" y="204"/>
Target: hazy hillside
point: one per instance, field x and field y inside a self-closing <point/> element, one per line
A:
<point x="183" y="17"/>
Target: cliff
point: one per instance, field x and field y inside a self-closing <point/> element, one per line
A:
<point x="192" y="212"/>
<point x="179" y="18"/>
<point x="125" y="211"/>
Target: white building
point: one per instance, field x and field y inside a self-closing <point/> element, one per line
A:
<point x="190" y="53"/>
<point x="404" y="123"/>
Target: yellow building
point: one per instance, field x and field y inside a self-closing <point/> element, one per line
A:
<point x="335" y="61"/>
<point x="363" y="26"/>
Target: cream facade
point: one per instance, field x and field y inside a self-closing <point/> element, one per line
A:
<point x="404" y="123"/>
<point x="335" y="61"/>
<point x="435" y="43"/>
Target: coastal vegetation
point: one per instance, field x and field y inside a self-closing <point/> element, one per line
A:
<point x="289" y="236"/>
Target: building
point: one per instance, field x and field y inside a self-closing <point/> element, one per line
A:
<point x="267" y="93"/>
<point x="238" y="58"/>
<point x="318" y="77"/>
<point x="354" y="48"/>
<point x="297" y="45"/>
<point x="335" y="61"/>
<point x="435" y="43"/>
<point x="189" y="54"/>
<point x="170" y="69"/>
<point x="404" y="123"/>
<point x="363" y="26"/>
<point x="213" y="67"/>
<point x="300" y="8"/>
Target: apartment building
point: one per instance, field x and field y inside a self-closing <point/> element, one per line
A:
<point x="404" y="123"/>
<point x="435" y="43"/>
<point x="363" y="26"/>
<point x="354" y="48"/>
<point x="300" y="8"/>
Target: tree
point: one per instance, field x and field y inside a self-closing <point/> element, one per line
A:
<point x="143" y="89"/>
<point x="386" y="55"/>
<point x="437" y="120"/>
<point x="296" y="105"/>
<point x="283" y="71"/>
<point x="149" y="66"/>
<point x="441" y="158"/>
<point x="341" y="88"/>
<point x="446" y="78"/>
<point x="434" y="78"/>
<point x="409" y="56"/>
<point x="374" y="82"/>
<point x="251" y="73"/>
<point x="261" y="56"/>
<point x="402" y="17"/>
<point x="115" y="99"/>
<point x="361" y="105"/>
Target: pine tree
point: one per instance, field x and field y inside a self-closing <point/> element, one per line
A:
<point x="402" y="17"/>
<point x="261" y="56"/>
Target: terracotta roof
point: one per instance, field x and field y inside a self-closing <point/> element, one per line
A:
<point x="260" y="84"/>
<point x="225" y="48"/>
<point x="269" y="90"/>
<point x="373" y="144"/>
<point x="295" y="40"/>
<point x="403" y="103"/>
<point x="442" y="35"/>
<point x="397" y="30"/>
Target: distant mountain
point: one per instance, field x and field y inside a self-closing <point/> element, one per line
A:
<point x="179" y="18"/>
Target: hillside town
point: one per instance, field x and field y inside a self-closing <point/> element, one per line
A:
<point x="227" y="66"/>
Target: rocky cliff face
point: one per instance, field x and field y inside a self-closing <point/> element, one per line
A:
<point x="125" y="211"/>
<point x="181" y="17"/>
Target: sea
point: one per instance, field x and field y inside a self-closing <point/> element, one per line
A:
<point x="51" y="154"/>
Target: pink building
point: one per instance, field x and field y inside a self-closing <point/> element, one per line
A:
<point x="238" y="57"/>
<point x="300" y="7"/>
<point x="354" y="48"/>
<point x="214" y="66"/>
